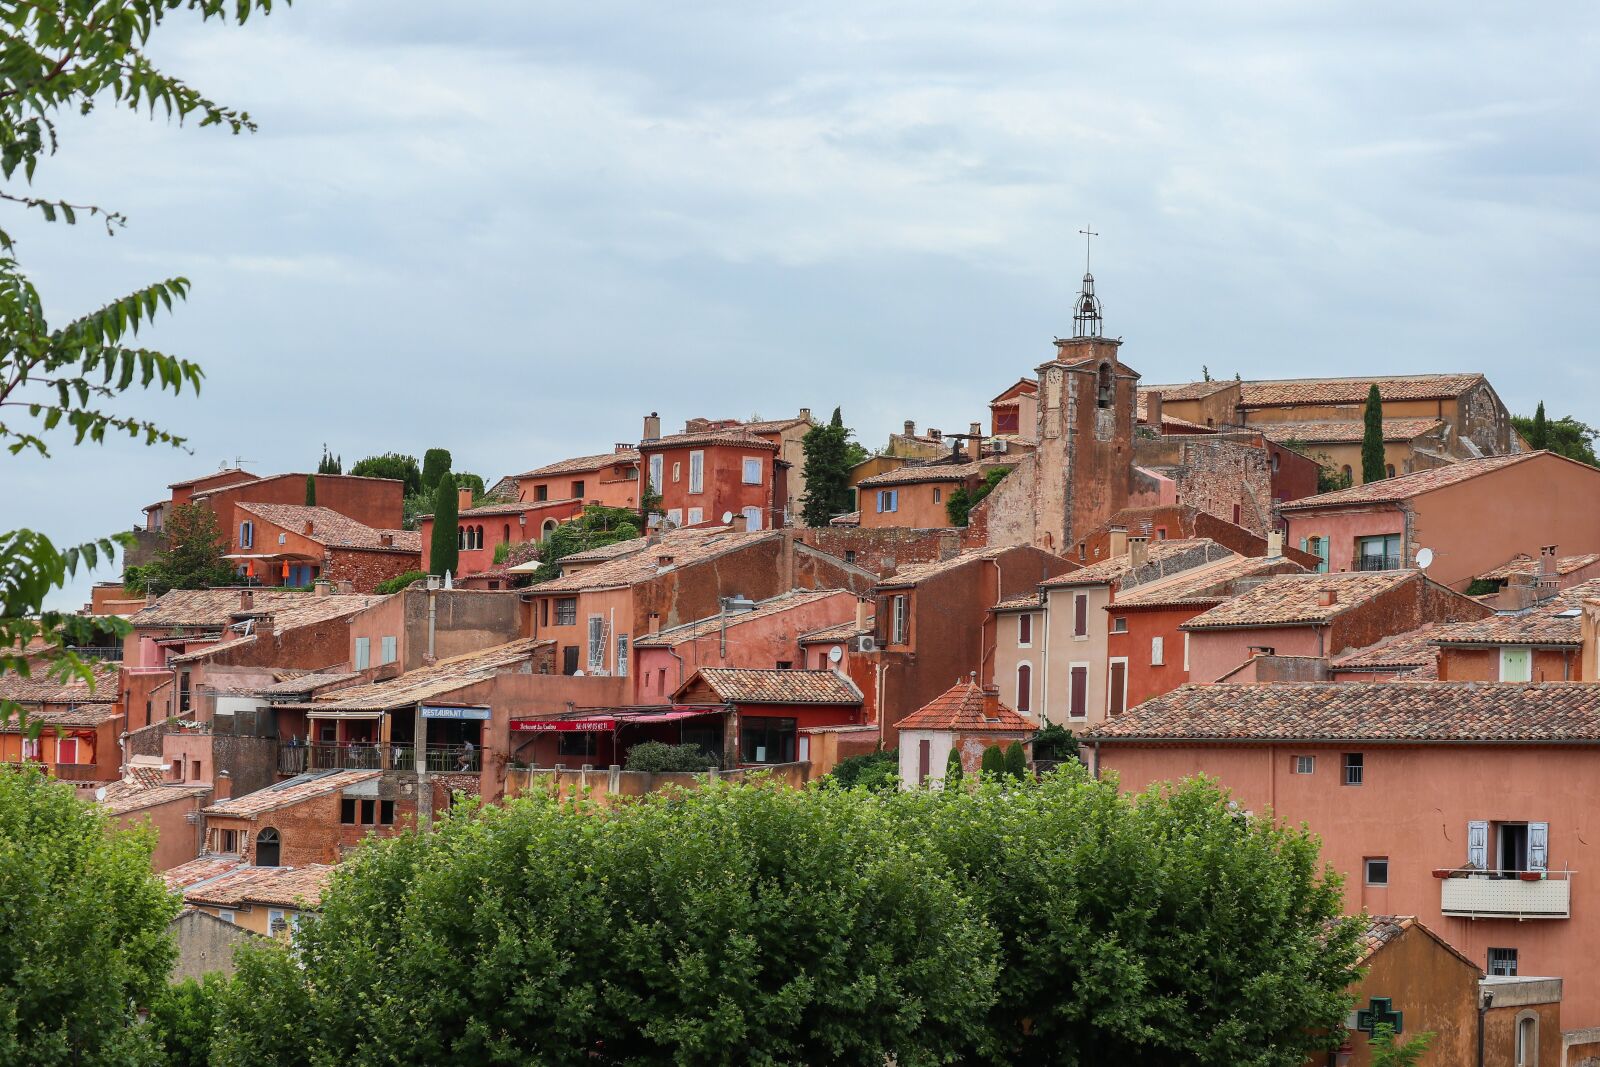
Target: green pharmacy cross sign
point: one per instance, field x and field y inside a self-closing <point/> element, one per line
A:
<point x="1379" y="1011"/>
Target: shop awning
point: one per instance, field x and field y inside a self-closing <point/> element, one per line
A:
<point x="665" y="716"/>
<point x="600" y="724"/>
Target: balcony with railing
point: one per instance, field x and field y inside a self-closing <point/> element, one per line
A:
<point x="1473" y="894"/>
<point x="366" y="756"/>
<point x="109" y="653"/>
<point x="1378" y="562"/>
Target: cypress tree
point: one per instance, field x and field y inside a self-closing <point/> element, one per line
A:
<point x="311" y="490"/>
<point x="444" y="551"/>
<point x="1016" y="761"/>
<point x="952" y="769"/>
<point x="994" y="763"/>
<point x="435" y="462"/>
<point x="1372" y="468"/>
<point x="827" y="471"/>
<point x="1539" y="436"/>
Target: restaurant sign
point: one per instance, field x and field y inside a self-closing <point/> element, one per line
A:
<point x="437" y="711"/>
<point x="552" y="726"/>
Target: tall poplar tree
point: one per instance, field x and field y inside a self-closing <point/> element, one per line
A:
<point x="1372" y="466"/>
<point x="827" y="470"/>
<point x="1539" y="436"/>
<point x="435" y="462"/>
<point x="311" y="490"/>
<point x="444" y="551"/>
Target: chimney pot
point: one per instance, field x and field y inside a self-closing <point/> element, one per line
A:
<point x="1138" y="551"/>
<point x="1274" y="544"/>
<point x="1153" y="403"/>
<point x="310" y="527"/>
<point x="863" y="612"/>
<point x="346" y="586"/>
<point x="805" y="413"/>
<point x="265" y="626"/>
<point x="386" y="540"/>
<point x="664" y="560"/>
<point x="247" y="599"/>
<point x="1119" y="541"/>
<point x="911" y="428"/>
<point x="1328" y="597"/>
<point x="464" y="498"/>
<point x="937" y="435"/>
<point x="652" y="427"/>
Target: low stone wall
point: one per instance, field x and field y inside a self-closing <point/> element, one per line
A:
<point x="606" y="785"/>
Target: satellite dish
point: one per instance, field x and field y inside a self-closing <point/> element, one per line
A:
<point x="1424" y="557"/>
<point x="727" y="517"/>
<point x="835" y="654"/>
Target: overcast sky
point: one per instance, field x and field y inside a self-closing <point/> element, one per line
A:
<point x="514" y="228"/>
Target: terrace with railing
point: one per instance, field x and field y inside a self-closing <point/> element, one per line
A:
<point x="1469" y="893"/>
<point x="298" y="758"/>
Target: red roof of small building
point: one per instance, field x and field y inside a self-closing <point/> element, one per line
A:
<point x="1295" y="599"/>
<point x="1346" y="431"/>
<point x="584" y="464"/>
<point x="917" y="473"/>
<point x="1290" y="392"/>
<point x="966" y="706"/>
<point x="332" y="529"/>
<point x="288" y="887"/>
<point x="733" y="436"/>
<point x="1392" y="490"/>
<point x="778" y="686"/>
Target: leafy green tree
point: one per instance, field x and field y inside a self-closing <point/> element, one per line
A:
<point x="959" y="504"/>
<point x="656" y="932"/>
<point x="83" y="929"/>
<point x="58" y="59"/>
<point x="192" y="557"/>
<point x="1564" y="436"/>
<point x="311" y="490"/>
<point x="396" y="465"/>
<point x="183" y="1018"/>
<point x="1055" y="742"/>
<point x="1539" y="432"/>
<point x="659" y="756"/>
<point x="330" y="463"/>
<point x="398" y="582"/>
<point x="595" y="528"/>
<point x="993" y="764"/>
<point x="1016" y="761"/>
<point x="435" y="462"/>
<point x="828" y="461"/>
<point x="875" y="771"/>
<point x="952" y="769"/>
<point x="1104" y="902"/>
<point x="445" y="549"/>
<point x="1389" y="1051"/>
<point x="1373" y="468"/>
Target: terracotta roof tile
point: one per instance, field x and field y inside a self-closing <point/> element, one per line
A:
<point x="274" y="886"/>
<point x="509" y="507"/>
<point x="330" y="528"/>
<point x="1288" y="599"/>
<point x="966" y="706"/>
<point x="780" y="687"/>
<point x="683" y="633"/>
<point x="199" y="869"/>
<point x="305" y="609"/>
<point x="606" y="552"/>
<point x="1110" y="570"/>
<point x="306" y="684"/>
<point x="248" y="477"/>
<point x="915" y="573"/>
<point x="125" y="797"/>
<point x="774" y="425"/>
<point x="849" y="518"/>
<point x="288" y="793"/>
<point x="684" y="546"/>
<point x="583" y="464"/>
<point x="836" y="635"/>
<point x="1026" y="602"/>
<point x="1349" y="431"/>
<point x="1359" y="711"/>
<point x="1408" y="485"/>
<point x="39" y="688"/>
<point x="1526" y="566"/>
<point x="1557" y="621"/>
<point x="1295" y="391"/>
<point x="734" y="436"/>
<point x="917" y="473"/>
<point x="1401" y="652"/>
<point x="1208" y="583"/>
<point x="1186" y="390"/>
<point x="426" y="683"/>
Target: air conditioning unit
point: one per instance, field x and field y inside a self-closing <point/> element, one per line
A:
<point x="863" y="643"/>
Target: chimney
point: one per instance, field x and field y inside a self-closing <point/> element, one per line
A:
<point x="623" y="446"/>
<point x="805" y="413"/>
<point x="310" y="528"/>
<point x="264" y="626"/>
<point x="1119" y="541"/>
<point x="937" y="435"/>
<point x="911" y="428"/>
<point x="1518" y="594"/>
<point x="346" y="586"/>
<point x="652" y="427"/>
<point x="464" y="498"/>
<point x="1138" y="551"/>
<point x="221" y="787"/>
<point x="654" y="625"/>
<point x="1548" y="578"/>
<point x="321" y="588"/>
<point x="386" y="539"/>
<point x="1328" y="597"/>
<point x="1152" y="410"/>
<point x="739" y="524"/>
<point x="1274" y="544"/>
<point x="975" y="431"/>
<point x="663" y="560"/>
<point x="247" y="600"/>
<point x="863" y="613"/>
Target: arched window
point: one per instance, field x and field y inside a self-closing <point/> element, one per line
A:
<point x="1527" y="1040"/>
<point x="267" y="848"/>
<point x="1388" y="468"/>
<point x="1108" y="387"/>
<point x="547" y="529"/>
<point x="461" y="537"/>
<point x="1024" y="688"/>
<point x="1349" y="475"/>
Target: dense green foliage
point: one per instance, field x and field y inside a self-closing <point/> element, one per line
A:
<point x="659" y="757"/>
<point x="444" y="553"/>
<point x="828" y="460"/>
<point x="1373" y="468"/>
<point x="435" y="463"/>
<point x="398" y="582"/>
<point x="993" y="763"/>
<point x="728" y="925"/>
<point x="1055" y="742"/>
<point x="329" y="463"/>
<point x="1564" y="436"/>
<point x="1037" y="922"/>
<point x="83" y="929"/>
<point x="311" y="490"/>
<point x="1538" y="435"/>
<point x="61" y="59"/>
<point x="394" y="465"/>
<point x="467" y="480"/>
<point x="183" y="1018"/>
<point x="1016" y="761"/>
<point x="953" y="771"/>
<point x="959" y="504"/>
<point x="595" y="528"/>
<point x="191" y="558"/>
<point x="875" y="771"/>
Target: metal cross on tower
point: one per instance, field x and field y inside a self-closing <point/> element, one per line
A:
<point x="1088" y="317"/>
<point x="1088" y="236"/>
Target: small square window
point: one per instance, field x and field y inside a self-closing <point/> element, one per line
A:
<point x="1354" y="768"/>
<point x="1305" y="764"/>
<point x="347" y="811"/>
<point x="1377" y="870"/>
<point x="1119" y="625"/>
<point x="1503" y="962"/>
<point x="752" y="472"/>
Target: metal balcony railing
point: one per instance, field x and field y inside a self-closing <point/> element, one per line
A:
<point x="112" y="653"/>
<point x="1378" y="562"/>
<point x="365" y="756"/>
<point x="1505" y="894"/>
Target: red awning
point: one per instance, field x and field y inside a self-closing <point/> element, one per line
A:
<point x="545" y="726"/>
<point x="664" y="716"/>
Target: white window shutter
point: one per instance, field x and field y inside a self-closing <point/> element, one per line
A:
<point x="1538" y="846"/>
<point x="1478" y="845"/>
<point x="1157" y="651"/>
